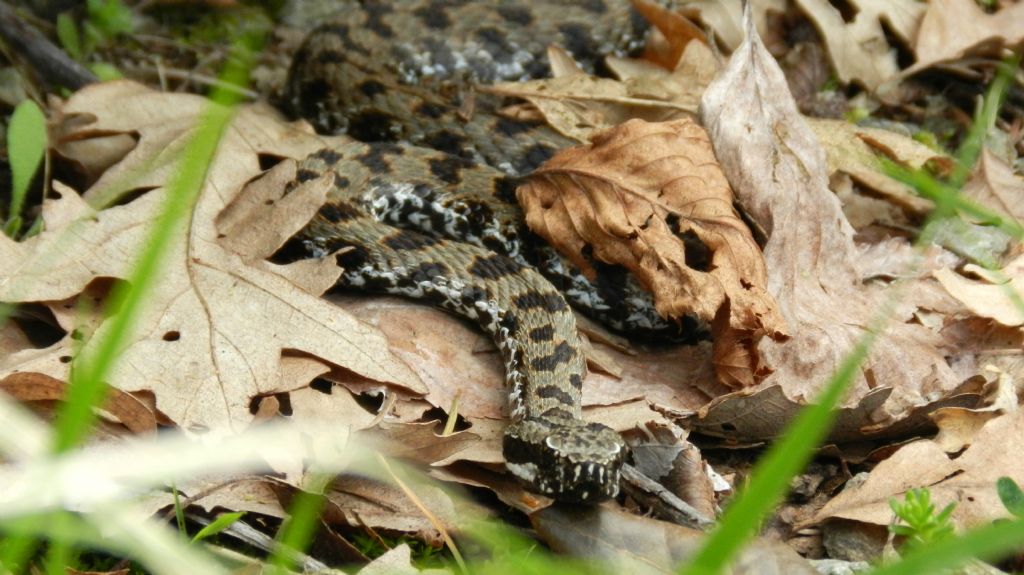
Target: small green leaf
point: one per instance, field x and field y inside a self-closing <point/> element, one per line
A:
<point x="222" y="522"/>
<point x="26" y="141"/>
<point x="12" y="226"/>
<point x="1011" y="496"/>
<point x="105" y="72"/>
<point x="67" y="33"/>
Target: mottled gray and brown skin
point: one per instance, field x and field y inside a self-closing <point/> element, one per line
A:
<point x="403" y="72"/>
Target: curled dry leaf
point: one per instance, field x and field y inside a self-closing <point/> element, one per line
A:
<point x="651" y="197"/>
<point x="950" y="29"/>
<point x="1000" y="296"/>
<point x="673" y="33"/>
<point x="996" y="186"/>
<point x="855" y="150"/>
<point x="859" y="49"/>
<point x="576" y="104"/>
<point x="780" y="174"/>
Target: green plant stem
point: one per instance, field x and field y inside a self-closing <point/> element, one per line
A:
<point x="298" y="530"/>
<point x="87" y="389"/>
<point x="985" y="120"/>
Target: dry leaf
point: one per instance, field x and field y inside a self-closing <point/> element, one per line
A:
<point x="725" y="17"/>
<point x="212" y="334"/>
<point x="674" y="31"/>
<point x="992" y="298"/>
<point x="996" y="186"/>
<point x="650" y="197"/>
<point x="967" y="480"/>
<point x="959" y="425"/>
<point x="628" y="543"/>
<point x="951" y="29"/>
<point x="859" y="49"/>
<point x="855" y="150"/>
<point x="578" y="105"/>
<point x="780" y="175"/>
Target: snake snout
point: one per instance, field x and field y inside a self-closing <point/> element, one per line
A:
<point x="569" y="460"/>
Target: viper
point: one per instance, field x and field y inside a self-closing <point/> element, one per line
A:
<point x="424" y="200"/>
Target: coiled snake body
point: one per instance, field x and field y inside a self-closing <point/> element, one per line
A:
<point x="401" y="72"/>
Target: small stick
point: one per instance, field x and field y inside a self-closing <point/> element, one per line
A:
<point x="51" y="65"/>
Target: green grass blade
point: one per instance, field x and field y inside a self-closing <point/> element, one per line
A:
<point x="989" y="542"/>
<point x="222" y="522"/>
<point x="26" y="140"/>
<point x="772" y="474"/>
<point x="75" y="415"/>
<point x="67" y="34"/>
<point x="297" y="531"/>
<point x="969" y="151"/>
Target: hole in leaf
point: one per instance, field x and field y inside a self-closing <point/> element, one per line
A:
<point x="38" y="324"/>
<point x="322" y="385"/>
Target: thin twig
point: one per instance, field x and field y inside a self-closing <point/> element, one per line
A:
<point x="426" y="513"/>
<point x="665" y="503"/>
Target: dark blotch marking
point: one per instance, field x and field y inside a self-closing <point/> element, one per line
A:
<point x="562" y="354"/>
<point x="305" y="175"/>
<point x="510" y="127"/>
<point x="546" y="333"/>
<point x="434" y="16"/>
<point x="338" y="212"/>
<point x="535" y="155"/>
<point x="550" y="302"/>
<point x="448" y="168"/>
<point x="576" y="380"/>
<point x="374" y="126"/>
<point x="408" y="240"/>
<point x="447" y="141"/>
<point x="430" y="110"/>
<point x="505" y="189"/>
<point x="595" y="6"/>
<point x="495" y="43"/>
<point x="428" y="271"/>
<point x="344" y="34"/>
<point x="577" y="39"/>
<point x="375" y="12"/>
<point x="375" y="158"/>
<point x="510" y="321"/>
<point x="516" y="14"/>
<point x="349" y="260"/>
<point x="327" y="156"/>
<point x="557" y="413"/>
<point x="371" y="88"/>
<point x="340" y="181"/>
<point x="472" y="294"/>
<point x="556" y="393"/>
<point x="494" y="267"/>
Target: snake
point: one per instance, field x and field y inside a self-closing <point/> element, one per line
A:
<point x="422" y="201"/>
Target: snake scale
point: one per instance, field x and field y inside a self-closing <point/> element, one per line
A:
<point x="426" y="200"/>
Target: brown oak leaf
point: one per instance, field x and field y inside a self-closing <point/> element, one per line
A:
<point x="651" y="197"/>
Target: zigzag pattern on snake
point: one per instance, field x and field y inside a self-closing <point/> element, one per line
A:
<point x="465" y="247"/>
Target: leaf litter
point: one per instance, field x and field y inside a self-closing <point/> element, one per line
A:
<point x="124" y="139"/>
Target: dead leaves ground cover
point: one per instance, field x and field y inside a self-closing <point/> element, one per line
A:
<point x="230" y="339"/>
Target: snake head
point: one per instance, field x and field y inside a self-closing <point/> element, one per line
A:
<point x="567" y="459"/>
